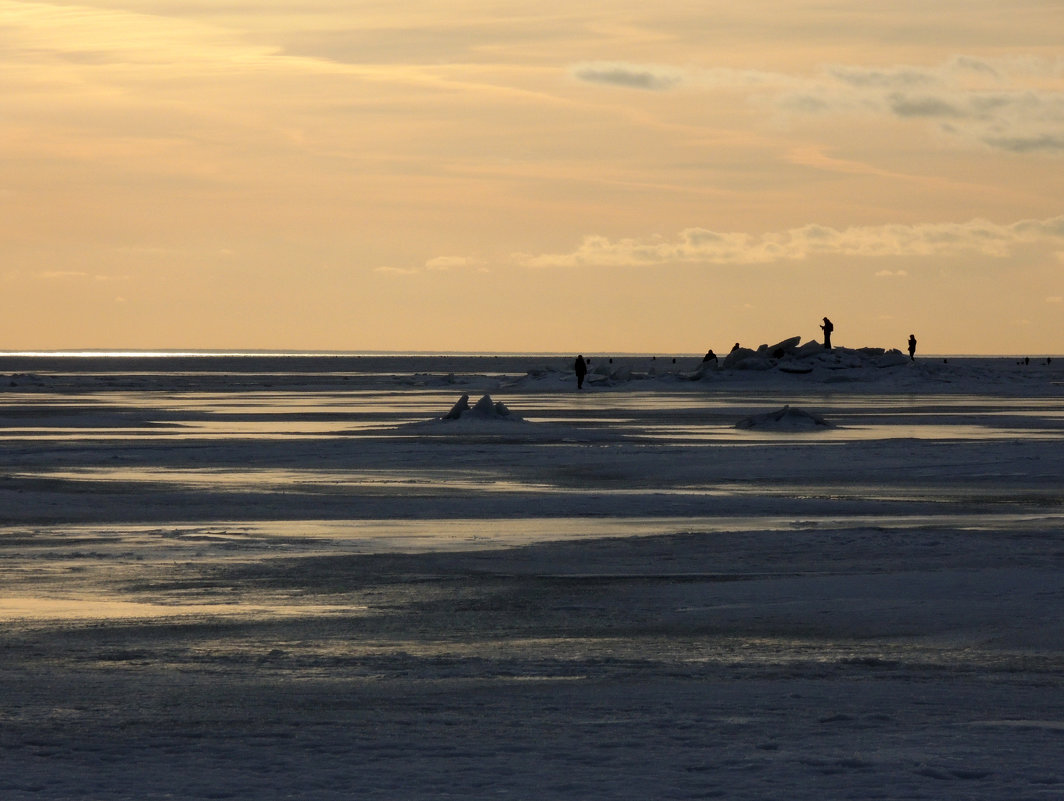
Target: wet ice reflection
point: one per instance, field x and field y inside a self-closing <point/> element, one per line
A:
<point x="274" y="471"/>
<point x="275" y="570"/>
<point x="661" y="416"/>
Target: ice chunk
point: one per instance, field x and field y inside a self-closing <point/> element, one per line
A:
<point x="458" y="409"/>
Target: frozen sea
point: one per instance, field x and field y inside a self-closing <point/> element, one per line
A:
<point x="261" y="576"/>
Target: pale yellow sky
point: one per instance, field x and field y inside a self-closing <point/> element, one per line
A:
<point x="614" y="176"/>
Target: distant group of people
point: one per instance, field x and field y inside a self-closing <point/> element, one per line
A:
<point x="827" y="327"/>
<point x="580" y="365"/>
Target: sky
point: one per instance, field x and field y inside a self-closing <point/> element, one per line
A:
<point x="513" y="176"/>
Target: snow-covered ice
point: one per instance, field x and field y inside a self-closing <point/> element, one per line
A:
<point x="301" y="577"/>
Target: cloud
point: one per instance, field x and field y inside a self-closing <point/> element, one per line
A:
<point x="629" y="76"/>
<point x="438" y="264"/>
<point x="1027" y="144"/>
<point x="693" y="245"/>
<point x="63" y="275"/>
<point x="454" y="263"/>
<point x="395" y="271"/>
<point x="895" y="78"/>
<point x="1015" y="106"/>
<point x="1012" y="105"/>
<point x="903" y="105"/>
<point x="54" y="275"/>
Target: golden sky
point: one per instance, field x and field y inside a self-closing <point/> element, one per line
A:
<point x="515" y="176"/>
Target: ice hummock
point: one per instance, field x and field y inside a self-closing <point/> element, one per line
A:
<point x="485" y="415"/>
<point x="484" y="409"/>
<point x="785" y="419"/>
<point x="491" y="419"/>
<point x="789" y="355"/>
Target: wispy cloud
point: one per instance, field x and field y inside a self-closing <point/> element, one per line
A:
<point x="438" y="264"/>
<point x="1014" y="105"/>
<point x="81" y="34"/>
<point x="77" y="275"/>
<point x="702" y="245"/>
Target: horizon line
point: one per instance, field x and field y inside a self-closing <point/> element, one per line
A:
<point x="119" y="353"/>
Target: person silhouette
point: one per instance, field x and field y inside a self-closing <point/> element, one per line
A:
<point x="580" y="367"/>
<point x="912" y="347"/>
<point x="827" y="328"/>
<point x="710" y="356"/>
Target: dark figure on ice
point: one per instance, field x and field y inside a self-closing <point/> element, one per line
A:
<point x="828" y="328"/>
<point x="580" y="366"/>
<point x="735" y="347"/>
<point x="710" y="356"/>
<point x="912" y="347"/>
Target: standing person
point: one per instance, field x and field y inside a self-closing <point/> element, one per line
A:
<point x="828" y="328"/>
<point x="912" y="347"/>
<point x="580" y="366"/>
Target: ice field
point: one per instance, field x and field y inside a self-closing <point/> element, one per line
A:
<point x="264" y="576"/>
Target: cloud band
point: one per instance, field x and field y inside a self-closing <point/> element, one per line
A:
<point x="702" y="245"/>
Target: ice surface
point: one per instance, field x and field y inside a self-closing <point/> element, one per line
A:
<point x="269" y="578"/>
